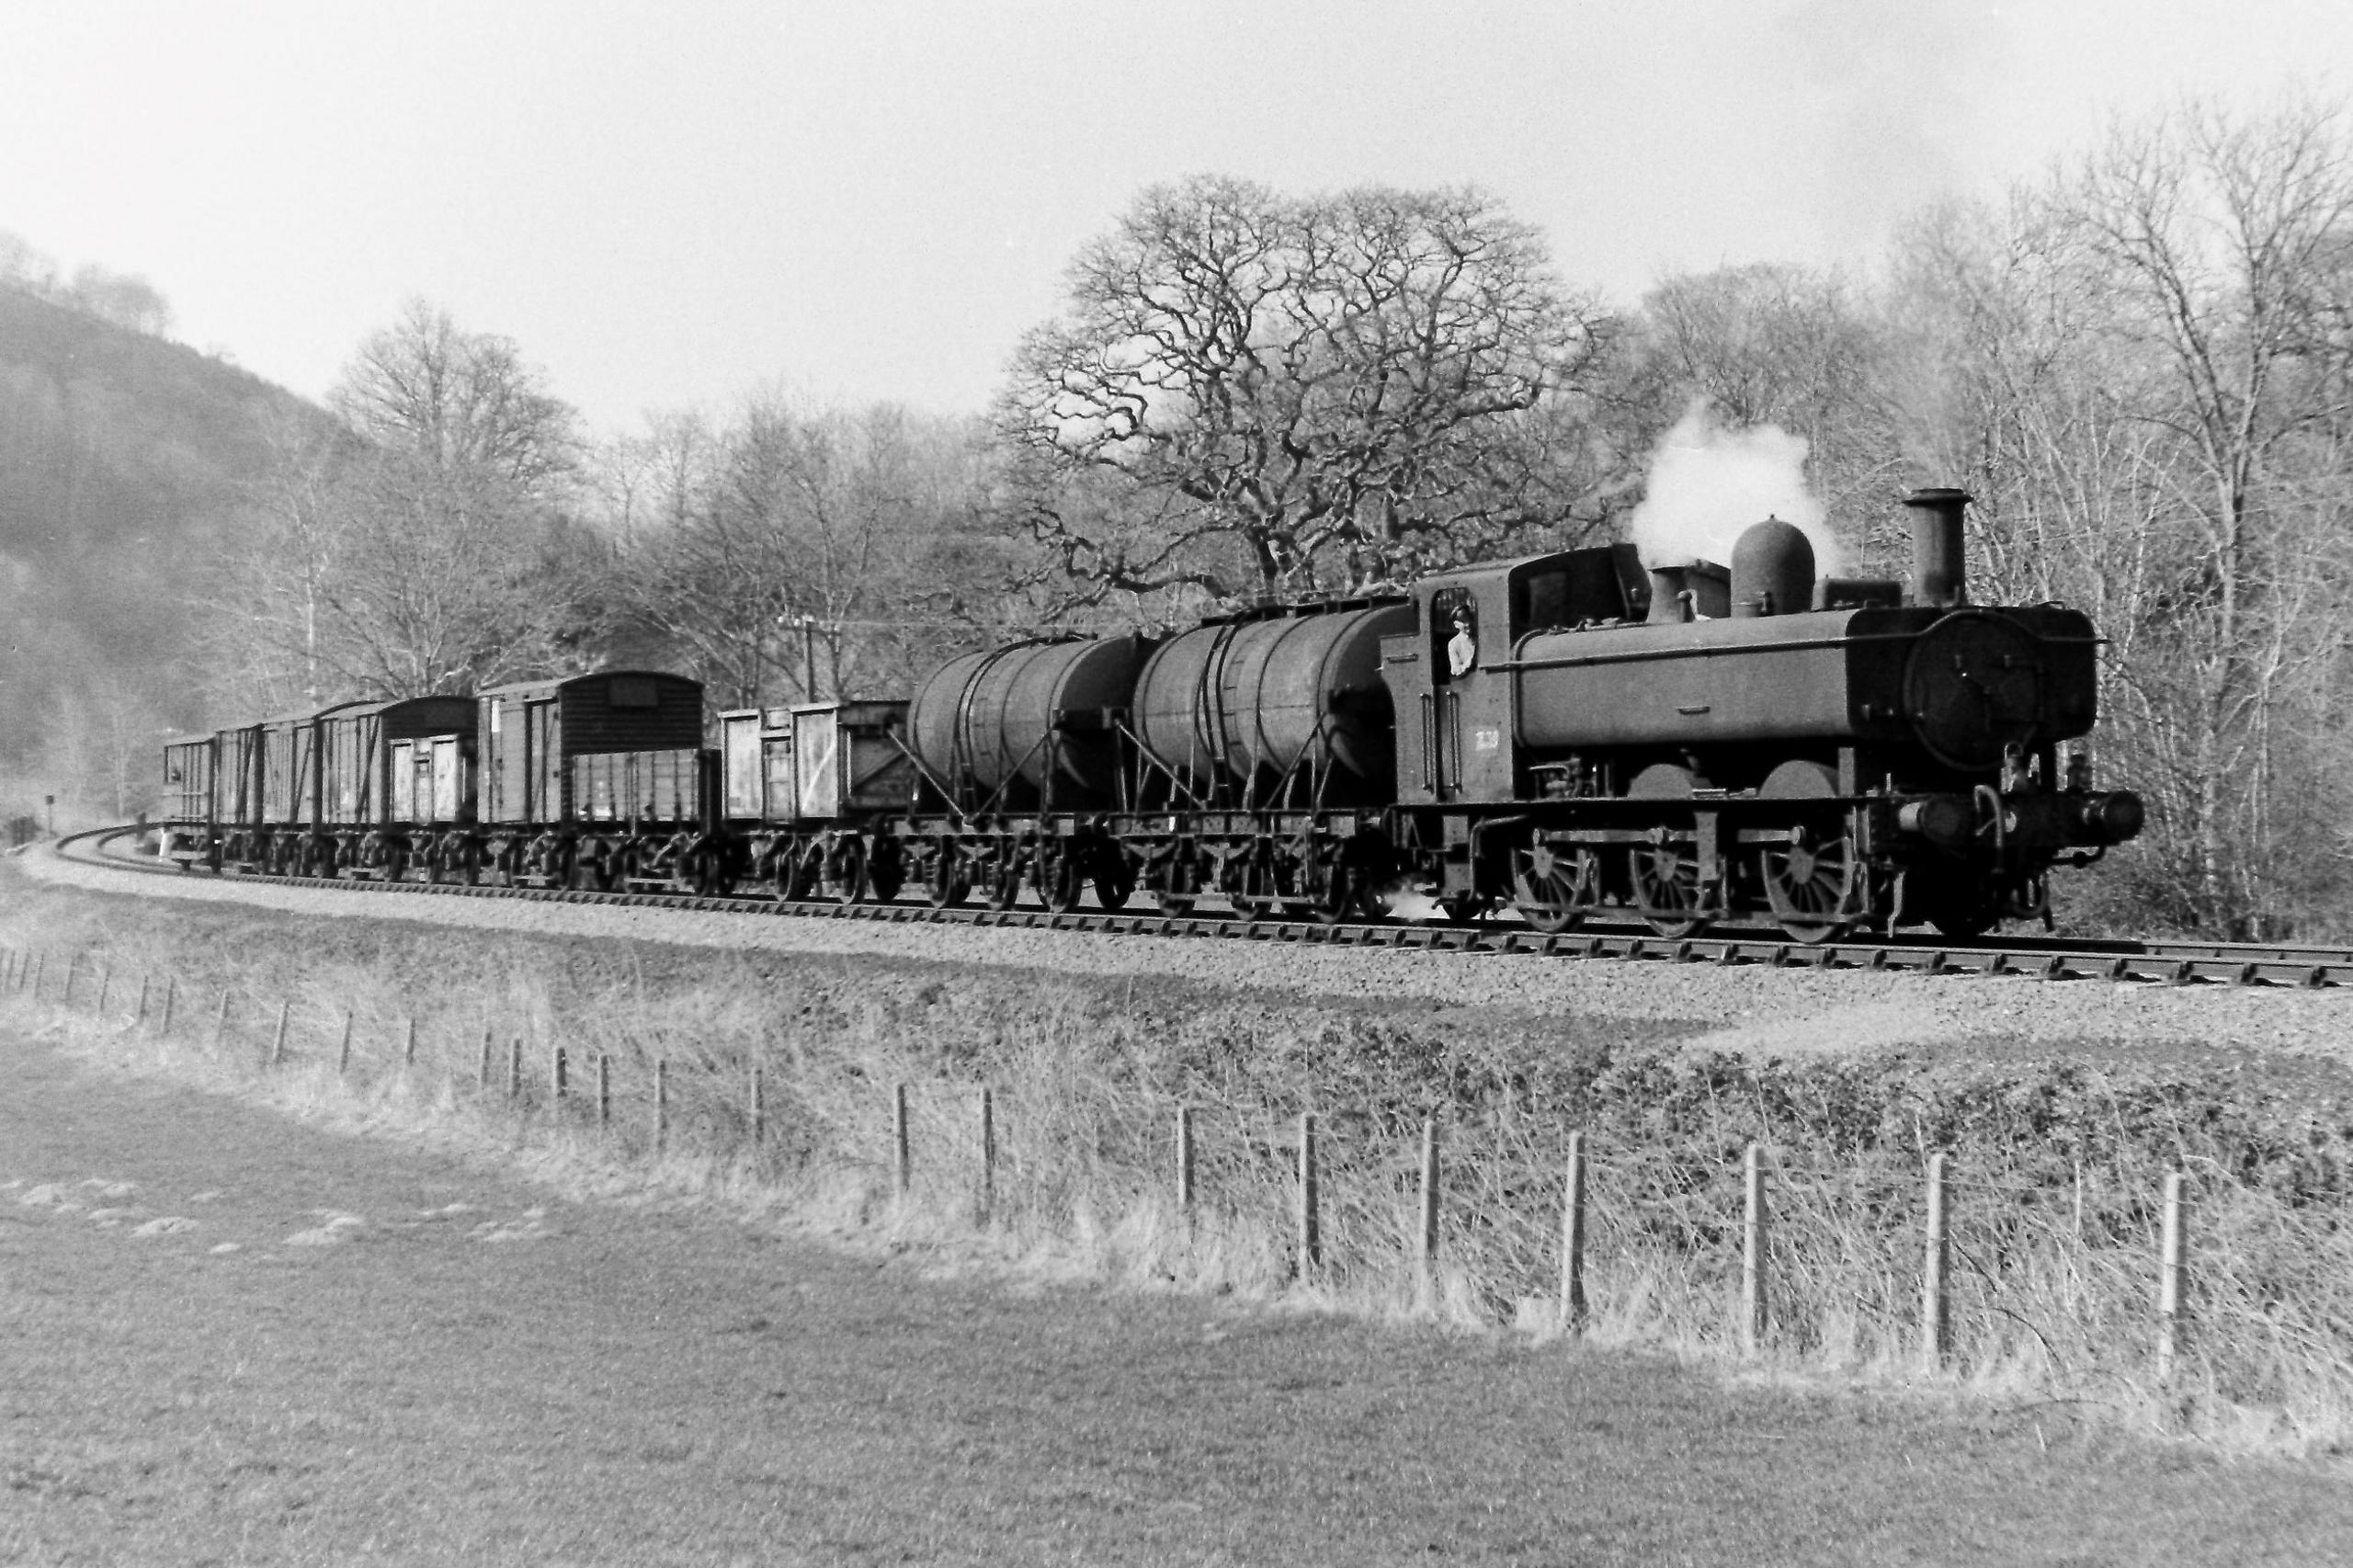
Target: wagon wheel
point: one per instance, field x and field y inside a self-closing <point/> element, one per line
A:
<point x="1811" y="883"/>
<point x="790" y="878"/>
<point x="395" y="867"/>
<point x="1060" y="873"/>
<point x="1665" y="874"/>
<point x="1340" y="887"/>
<point x="590" y="868"/>
<point x="706" y="872"/>
<point x="1267" y="879"/>
<point x="951" y="883"/>
<point x="1554" y="888"/>
<point x="1171" y="883"/>
<point x="1003" y="888"/>
<point x="886" y="869"/>
<point x="844" y="871"/>
<point x="1115" y="878"/>
<point x="467" y="860"/>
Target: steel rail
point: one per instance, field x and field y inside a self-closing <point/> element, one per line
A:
<point x="2152" y="962"/>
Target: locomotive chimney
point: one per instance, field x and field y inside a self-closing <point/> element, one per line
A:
<point x="1939" y="567"/>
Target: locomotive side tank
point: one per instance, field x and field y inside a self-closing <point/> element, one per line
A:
<point x="1035" y="715"/>
<point x="1967" y="685"/>
<point x="1283" y="696"/>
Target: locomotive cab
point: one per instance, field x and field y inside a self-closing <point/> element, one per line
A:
<point x="1449" y="677"/>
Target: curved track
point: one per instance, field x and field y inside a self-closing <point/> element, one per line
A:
<point x="2161" y="962"/>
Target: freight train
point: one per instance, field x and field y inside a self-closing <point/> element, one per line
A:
<point x="1562" y="737"/>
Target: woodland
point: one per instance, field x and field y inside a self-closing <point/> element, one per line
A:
<point x="2141" y="365"/>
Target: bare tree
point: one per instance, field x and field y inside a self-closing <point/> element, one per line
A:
<point x="426" y="545"/>
<point x="2149" y="393"/>
<point x="1249" y="391"/>
<point x="801" y="553"/>
<point x="1802" y="350"/>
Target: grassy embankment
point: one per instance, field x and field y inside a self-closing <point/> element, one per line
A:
<point x="2057" y="1165"/>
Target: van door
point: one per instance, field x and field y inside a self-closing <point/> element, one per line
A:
<point x="543" y="765"/>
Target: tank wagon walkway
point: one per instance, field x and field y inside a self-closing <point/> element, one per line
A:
<point x="226" y="1336"/>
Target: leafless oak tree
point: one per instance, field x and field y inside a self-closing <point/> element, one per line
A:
<point x="1249" y="391"/>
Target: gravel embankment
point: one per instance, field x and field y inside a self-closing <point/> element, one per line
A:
<point x="1760" y="1011"/>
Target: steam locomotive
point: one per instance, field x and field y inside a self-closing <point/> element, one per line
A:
<point x="1563" y="737"/>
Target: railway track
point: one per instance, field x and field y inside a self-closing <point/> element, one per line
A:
<point x="2149" y="963"/>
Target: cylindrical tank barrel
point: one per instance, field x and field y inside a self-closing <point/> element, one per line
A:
<point x="1034" y="711"/>
<point x="1286" y="695"/>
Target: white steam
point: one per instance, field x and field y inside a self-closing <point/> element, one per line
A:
<point x="1707" y="484"/>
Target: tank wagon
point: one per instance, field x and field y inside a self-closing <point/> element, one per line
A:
<point x="1563" y="736"/>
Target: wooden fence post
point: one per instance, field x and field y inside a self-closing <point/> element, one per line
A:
<point x="482" y="1078"/>
<point x="278" y="1045"/>
<point x="1310" y="1237"/>
<point x="171" y="996"/>
<point x="72" y="962"/>
<point x="1185" y="1166"/>
<point x="901" y="1155"/>
<point x="41" y="967"/>
<point x="603" y="1090"/>
<point x="408" y="1042"/>
<point x="1573" y="1237"/>
<point x="514" y="1068"/>
<point x="987" y="1206"/>
<point x="1753" y="1312"/>
<point x="343" y="1051"/>
<point x="2169" y="1273"/>
<point x="106" y="978"/>
<point x="661" y="1102"/>
<point x="1936" y="1336"/>
<point x="1425" y="1247"/>
<point x="557" y="1081"/>
<point x="139" y="1019"/>
<point x="759" y="1108"/>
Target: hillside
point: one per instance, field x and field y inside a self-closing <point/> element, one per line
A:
<point x="123" y="459"/>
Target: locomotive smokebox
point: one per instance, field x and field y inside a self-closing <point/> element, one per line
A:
<point x="1939" y="566"/>
<point x="1772" y="569"/>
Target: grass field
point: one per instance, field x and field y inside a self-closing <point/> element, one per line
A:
<point x="2059" y="1160"/>
<point x="356" y="1349"/>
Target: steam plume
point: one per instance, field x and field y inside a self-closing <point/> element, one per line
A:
<point x="1708" y="484"/>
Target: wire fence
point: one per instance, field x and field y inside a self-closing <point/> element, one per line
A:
<point x="2103" y="1278"/>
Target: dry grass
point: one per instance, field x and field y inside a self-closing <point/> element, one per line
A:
<point x="2058" y="1167"/>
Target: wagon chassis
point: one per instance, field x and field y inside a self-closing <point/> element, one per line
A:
<point x="2146" y="961"/>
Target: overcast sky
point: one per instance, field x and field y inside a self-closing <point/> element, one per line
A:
<point x="667" y="205"/>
